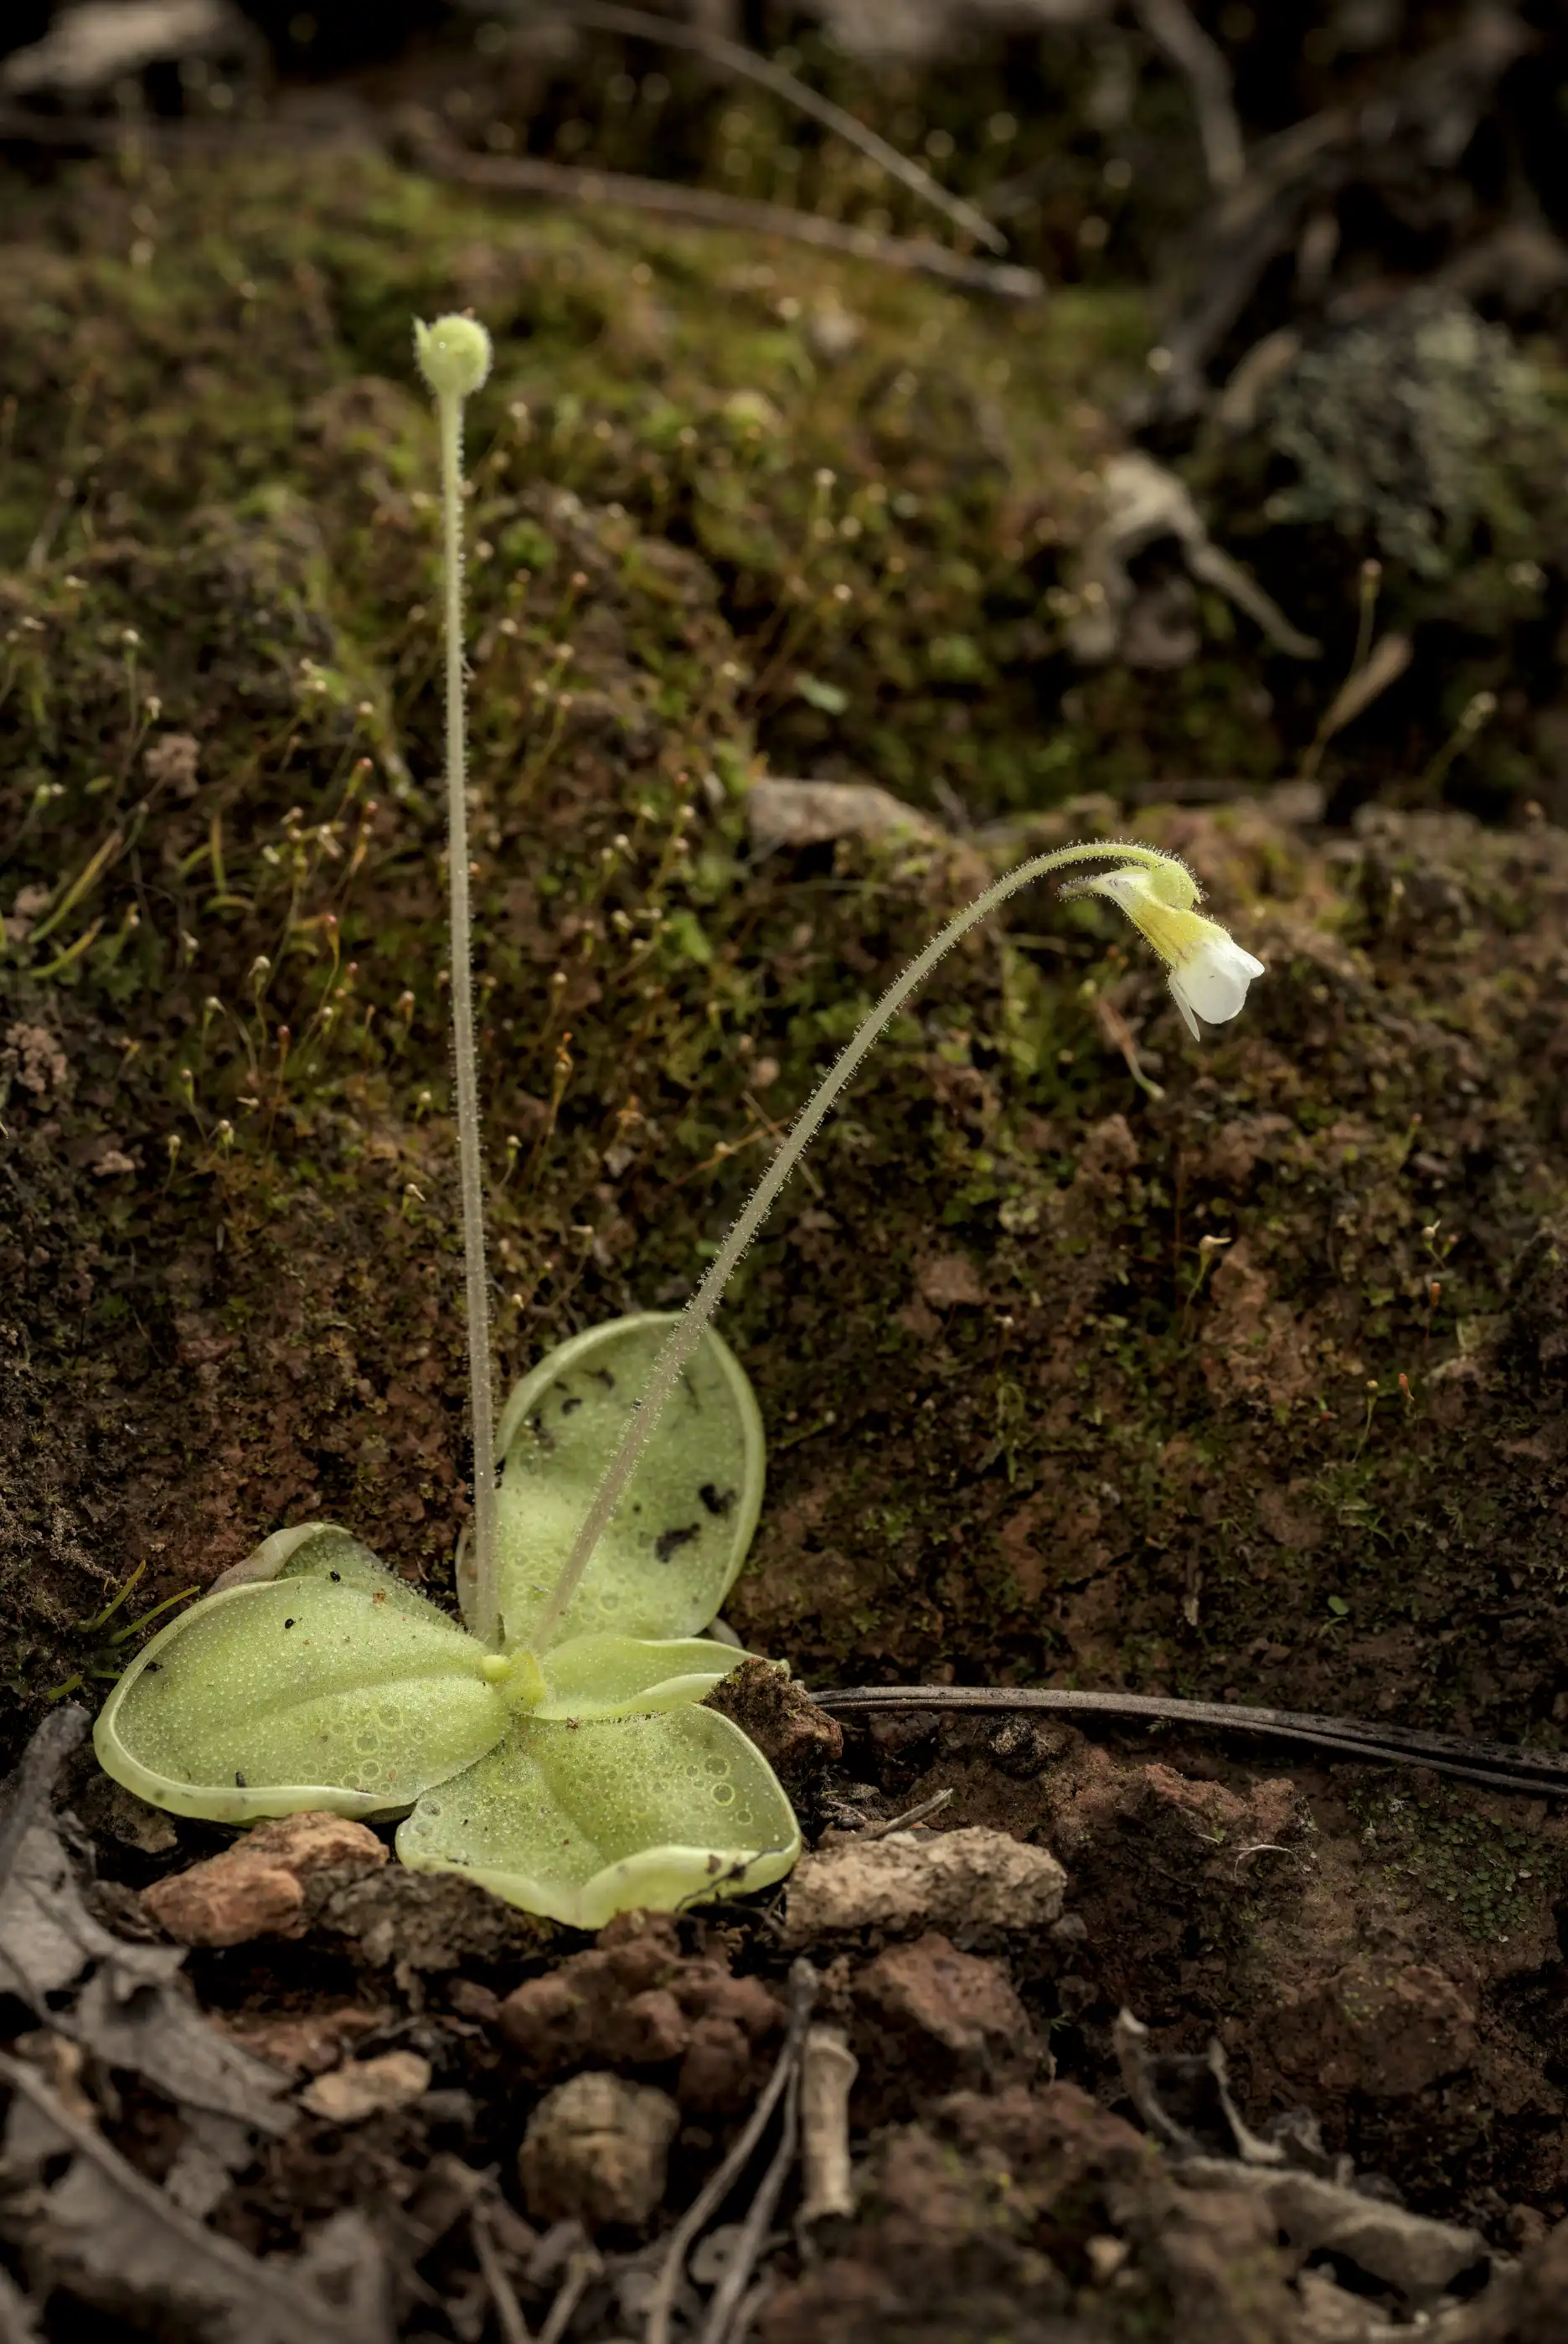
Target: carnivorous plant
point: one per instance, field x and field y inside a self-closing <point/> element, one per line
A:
<point x="554" y="1744"/>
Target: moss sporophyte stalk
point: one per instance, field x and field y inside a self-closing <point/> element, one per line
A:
<point x="552" y="1745"/>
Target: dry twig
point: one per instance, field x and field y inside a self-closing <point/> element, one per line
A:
<point x="1495" y="1765"/>
<point x="584" y="2266"/>
<point x="508" y="2316"/>
<point x="1194" y="54"/>
<point x="724" y="2303"/>
<point x="717" y="2188"/>
<point x="601" y="15"/>
<point x="530" y="175"/>
<point x="913" y="1816"/>
<point x="828" y="2068"/>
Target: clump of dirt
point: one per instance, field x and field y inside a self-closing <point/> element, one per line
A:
<point x="1006" y="2213"/>
<point x="799" y="1741"/>
<point x="637" y="2002"/>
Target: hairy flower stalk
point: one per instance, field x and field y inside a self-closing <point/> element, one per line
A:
<point x="454" y="357"/>
<point x="1209" y="971"/>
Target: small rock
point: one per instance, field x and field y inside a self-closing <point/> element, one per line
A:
<point x="146" y="1829"/>
<point x="946" y="2020"/>
<point x="973" y="1883"/>
<point x="791" y="813"/>
<point x="948" y="1280"/>
<point x="228" y="1906"/>
<point x="1021" y="1749"/>
<point x="369" y="2087"/>
<point x="255" y="1888"/>
<point x="596" y="2150"/>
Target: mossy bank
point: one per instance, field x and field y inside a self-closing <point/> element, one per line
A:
<point x="1081" y="1350"/>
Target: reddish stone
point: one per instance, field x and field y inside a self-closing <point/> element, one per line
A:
<point x="255" y="1888"/>
<point x="950" y="2019"/>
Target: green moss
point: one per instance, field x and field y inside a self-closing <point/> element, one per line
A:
<point x="1434" y="1843"/>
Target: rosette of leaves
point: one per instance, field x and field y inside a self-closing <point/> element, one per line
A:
<point x="578" y="1780"/>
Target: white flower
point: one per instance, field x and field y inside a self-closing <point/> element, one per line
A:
<point x="1212" y="982"/>
<point x="1209" y="972"/>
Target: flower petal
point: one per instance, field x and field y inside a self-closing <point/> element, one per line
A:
<point x="1212" y="981"/>
<point x="681" y="1533"/>
<point x="1188" y="1019"/>
<point x="581" y="1822"/>
<point x="352" y="1694"/>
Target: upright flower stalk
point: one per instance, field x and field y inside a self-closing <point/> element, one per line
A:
<point x="1157" y="893"/>
<point x="454" y="355"/>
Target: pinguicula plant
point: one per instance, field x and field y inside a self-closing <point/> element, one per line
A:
<point x="553" y="1745"/>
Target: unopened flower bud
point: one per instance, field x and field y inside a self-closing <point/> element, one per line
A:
<point x="454" y="355"/>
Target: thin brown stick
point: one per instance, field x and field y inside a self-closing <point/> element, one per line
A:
<point x="1495" y="1765"/>
<point x="719" y="2184"/>
<point x="724" y="2304"/>
<point x="601" y="15"/>
<point x="1202" y="61"/>
<point x="584" y="2266"/>
<point x="508" y="2316"/>
<point x="911" y="1815"/>
<point x="530" y="175"/>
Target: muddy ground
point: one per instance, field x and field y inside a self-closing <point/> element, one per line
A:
<point x="1087" y="1358"/>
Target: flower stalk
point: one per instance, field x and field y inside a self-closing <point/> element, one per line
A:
<point x="454" y="355"/>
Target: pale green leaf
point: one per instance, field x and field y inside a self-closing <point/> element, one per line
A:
<point x="579" y="1822"/>
<point x="681" y="1533"/>
<point x="609" y="1676"/>
<point x="308" y="1550"/>
<point x="351" y="1693"/>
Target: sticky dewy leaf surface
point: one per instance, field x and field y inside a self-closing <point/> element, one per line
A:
<point x="581" y="1822"/>
<point x="681" y="1533"/>
<point x="339" y="1687"/>
<point x="609" y="1676"/>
